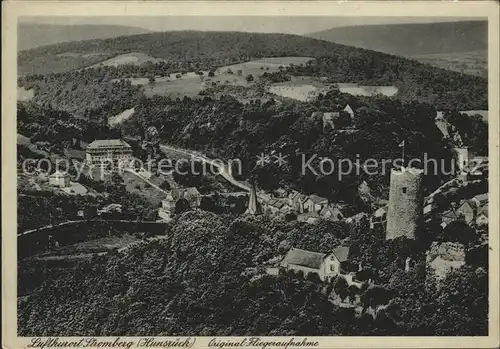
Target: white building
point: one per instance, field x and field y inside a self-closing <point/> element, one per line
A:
<point x="325" y="265"/>
<point x="108" y="152"/>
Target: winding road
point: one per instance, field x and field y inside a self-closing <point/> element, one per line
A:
<point x="223" y="171"/>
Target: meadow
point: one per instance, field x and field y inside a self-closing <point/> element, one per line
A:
<point x="190" y="84"/>
<point x="468" y="62"/>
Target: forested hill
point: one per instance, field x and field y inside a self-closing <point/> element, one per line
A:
<point x="193" y="45"/>
<point x="31" y="35"/>
<point x="412" y="39"/>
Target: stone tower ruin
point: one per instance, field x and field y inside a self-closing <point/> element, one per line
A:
<point x="406" y="202"/>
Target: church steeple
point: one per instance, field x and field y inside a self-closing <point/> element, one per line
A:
<point x="253" y="205"/>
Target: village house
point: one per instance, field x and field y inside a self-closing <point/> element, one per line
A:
<point x="191" y="195"/>
<point x="442" y="258"/>
<point x="473" y="211"/>
<point x="482" y="207"/>
<point x="482" y="216"/>
<point x="295" y="200"/>
<point x="59" y="179"/>
<point x="314" y="203"/>
<point x="466" y="211"/>
<point x="378" y="217"/>
<point x="331" y="213"/>
<point x="328" y="118"/>
<point x="480" y="200"/>
<point x="326" y="265"/>
<point x="280" y="192"/>
<point x="357" y="218"/>
<point x="308" y="217"/>
<point x="277" y="206"/>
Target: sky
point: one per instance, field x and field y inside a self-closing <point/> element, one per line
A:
<point x="290" y="25"/>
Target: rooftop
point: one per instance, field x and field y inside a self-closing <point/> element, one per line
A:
<point x="104" y="143"/>
<point x="317" y="199"/>
<point x="334" y="211"/>
<point x="342" y="253"/>
<point x="304" y="258"/>
<point x="482" y="198"/>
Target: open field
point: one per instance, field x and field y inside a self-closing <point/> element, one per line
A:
<point x="136" y="58"/>
<point x="119" y="118"/>
<point x="299" y="92"/>
<point x="24" y="95"/>
<point x="468" y="62"/>
<point x="301" y="88"/>
<point x="357" y="90"/>
<point x="191" y="84"/>
<point x="259" y="66"/>
<point x="92" y="246"/>
<point x="136" y="185"/>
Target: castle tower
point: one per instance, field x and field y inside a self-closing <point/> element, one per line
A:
<point x="253" y="205"/>
<point x="406" y="201"/>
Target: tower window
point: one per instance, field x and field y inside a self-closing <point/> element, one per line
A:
<point x="404" y="190"/>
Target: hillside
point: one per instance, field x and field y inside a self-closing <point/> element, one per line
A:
<point x="221" y="47"/>
<point x="412" y="39"/>
<point x="458" y="46"/>
<point x="35" y="35"/>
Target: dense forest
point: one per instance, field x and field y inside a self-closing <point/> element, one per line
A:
<point x="245" y="130"/>
<point x="444" y="89"/>
<point x="228" y="129"/>
<point x="197" y="282"/>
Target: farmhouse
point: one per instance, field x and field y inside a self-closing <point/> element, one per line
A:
<point x="325" y="265"/>
<point x="108" y="152"/>
<point x="314" y="203"/>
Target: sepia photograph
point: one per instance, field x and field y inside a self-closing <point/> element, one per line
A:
<point x="201" y="177"/>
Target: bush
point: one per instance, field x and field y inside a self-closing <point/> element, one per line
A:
<point x="165" y="185"/>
